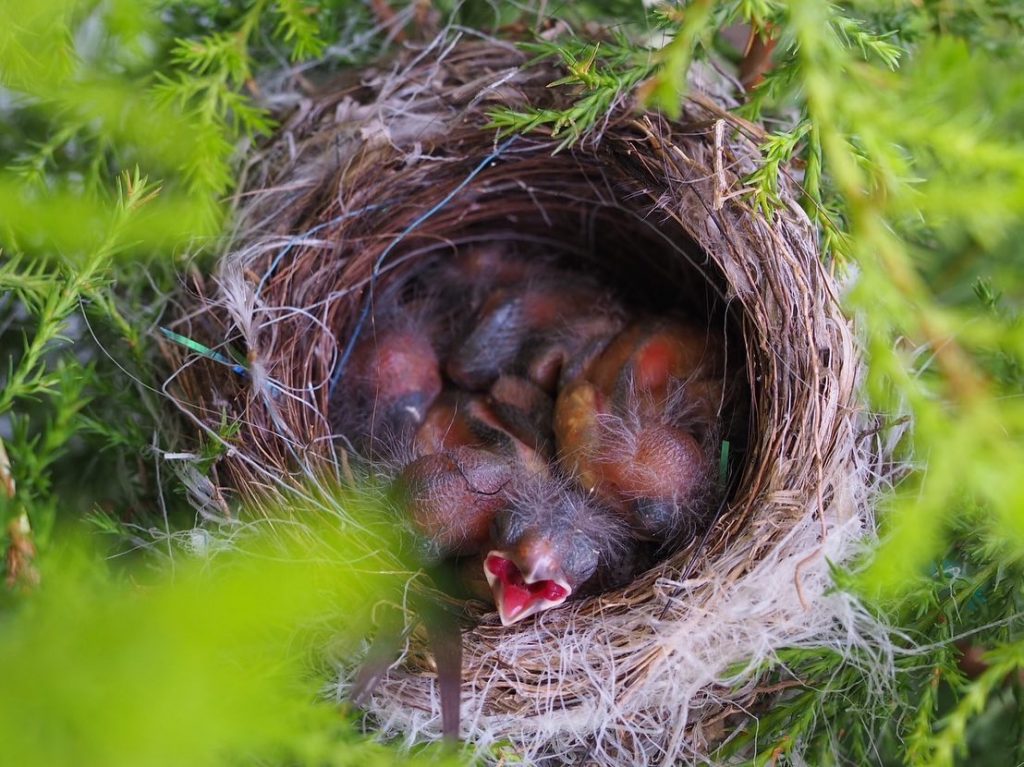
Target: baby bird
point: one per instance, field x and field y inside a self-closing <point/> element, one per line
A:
<point x="465" y="462"/>
<point x="526" y="411"/>
<point x="460" y="419"/>
<point x="392" y="377"/>
<point x="475" y="271"/>
<point x="451" y="497"/>
<point x="530" y="330"/>
<point x="475" y="488"/>
<point x="637" y="427"/>
<point x="547" y="543"/>
<point x="659" y="363"/>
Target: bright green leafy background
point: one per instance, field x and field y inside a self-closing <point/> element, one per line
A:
<point x="121" y="125"/>
<point x="208" y="662"/>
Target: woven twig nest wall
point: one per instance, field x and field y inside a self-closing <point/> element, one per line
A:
<point x="365" y="183"/>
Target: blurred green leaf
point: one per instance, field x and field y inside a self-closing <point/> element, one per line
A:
<point x="202" y="663"/>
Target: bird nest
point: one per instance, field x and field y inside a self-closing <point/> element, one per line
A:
<point x="364" y="184"/>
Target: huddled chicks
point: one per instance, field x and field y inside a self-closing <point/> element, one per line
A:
<point x="536" y="428"/>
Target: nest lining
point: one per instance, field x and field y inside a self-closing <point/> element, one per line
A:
<point x="365" y="183"/>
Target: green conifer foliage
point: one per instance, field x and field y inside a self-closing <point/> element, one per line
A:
<point x="121" y="126"/>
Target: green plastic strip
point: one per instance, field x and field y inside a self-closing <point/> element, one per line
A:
<point x="204" y="351"/>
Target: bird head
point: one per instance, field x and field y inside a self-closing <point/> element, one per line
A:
<point x="655" y="473"/>
<point x="526" y="579"/>
<point x="548" y="541"/>
<point x="391" y="381"/>
<point x="451" y="498"/>
<point x="529" y="329"/>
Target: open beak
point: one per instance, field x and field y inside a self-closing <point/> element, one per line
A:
<point x="521" y="592"/>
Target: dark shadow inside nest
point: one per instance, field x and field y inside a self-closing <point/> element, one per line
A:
<point x="655" y="273"/>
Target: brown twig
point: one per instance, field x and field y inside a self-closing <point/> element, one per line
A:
<point x="757" y="58"/>
<point x="20" y="568"/>
<point x="6" y="477"/>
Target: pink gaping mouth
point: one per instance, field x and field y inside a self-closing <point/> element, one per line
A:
<point x="517" y="598"/>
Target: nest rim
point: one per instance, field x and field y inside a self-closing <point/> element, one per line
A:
<point x="676" y="179"/>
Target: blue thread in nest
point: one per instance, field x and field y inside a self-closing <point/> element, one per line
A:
<point x="365" y="313"/>
<point x="309" y="233"/>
